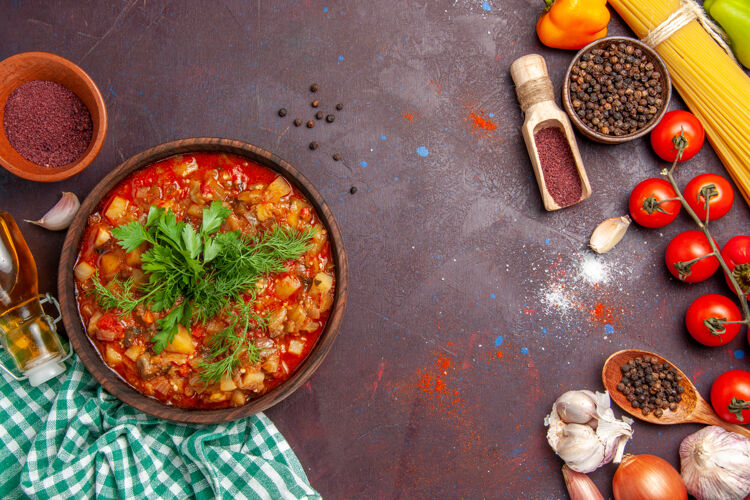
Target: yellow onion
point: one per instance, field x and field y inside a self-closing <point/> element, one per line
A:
<point x="647" y="477"/>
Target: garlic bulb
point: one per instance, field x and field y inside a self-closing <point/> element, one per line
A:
<point x="609" y="233"/>
<point x="715" y="464"/>
<point x="584" y="432"/>
<point x="61" y="215"/>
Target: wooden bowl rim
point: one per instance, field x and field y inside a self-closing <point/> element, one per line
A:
<point x="612" y="139"/>
<point x="18" y="166"/>
<point x="90" y="356"/>
<point x="620" y="400"/>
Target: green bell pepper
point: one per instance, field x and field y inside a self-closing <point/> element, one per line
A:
<point x="734" y="17"/>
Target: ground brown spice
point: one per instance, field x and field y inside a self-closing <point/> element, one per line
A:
<point x="558" y="166"/>
<point x="47" y="123"/>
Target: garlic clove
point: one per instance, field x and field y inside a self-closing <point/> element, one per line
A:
<point x="580" y="448"/>
<point x="576" y="407"/>
<point x="609" y="233"/>
<point x="61" y="215"/>
<point x="580" y="486"/>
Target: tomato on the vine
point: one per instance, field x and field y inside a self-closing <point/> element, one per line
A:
<point x="718" y="190"/>
<point x="704" y="316"/>
<point x="685" y="257"/>
<point x="654" y="203"/>
<point x="736" y="254"/>
<point x="674" y="124"/>
<point x="730" y="396"/>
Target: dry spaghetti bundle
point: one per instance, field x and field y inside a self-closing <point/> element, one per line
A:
<point x="711" y="83"/>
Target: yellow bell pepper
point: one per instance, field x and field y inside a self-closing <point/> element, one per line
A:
<point x="571" y="24"/>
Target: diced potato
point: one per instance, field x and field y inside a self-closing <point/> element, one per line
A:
<point x="318" y="240"/>
<point x="168" y="357"/>
<point x="238" y="398"/>
<point x="295" y="347"/>
<point x="116" y="209"/>
<point x="217" y="397"/>
<point x="84" y="271"/>
<point x="271" y="364"/>
<point x="195" y="210"/>
<point x="252" y="196"/>
<point x="102" y="237"/>
<point x="186" y="167"/>
<point x="134" y="351"/>
<point x="322" y="282"/>
<point x="278" y="189"/>
<point x="232" y="222"/>
<point x="264" y="211"/>
<point x="276" y="322"/>
<point x="113" y="357"/>
<point x="287" y="286"/>
<point x="133" y="258"/>
<point x="292" y="217"/>
<point x="218" y="192"/>
<point x="148" y="316"/>
<point x="227" y="384"/>
<point x="253" y="380"/>
<point x="110" y="264"/>
<point x="182" y="342"/>
<point x="297" y="314"/>
<point x="93" y="322"/>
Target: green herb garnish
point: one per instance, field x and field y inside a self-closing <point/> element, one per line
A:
<point x="195" y="275"/>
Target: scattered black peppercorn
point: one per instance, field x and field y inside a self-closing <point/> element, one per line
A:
<point x="310" y="124"/>
<point x="313" y="145"/>
<point x="353" y="189"/>
<point x="336" y="157"/>
<point x="330" y="118"/>
<point x="315" y="103"/>
<point x="651" y="385"/>
<point x="615" y="89"/>
<point x="319" y="115"/>
<point x="282" y="112"/>
<point x="314" y="87"/>
<point x="339" y="106"/>
<point x="297" y="122"/>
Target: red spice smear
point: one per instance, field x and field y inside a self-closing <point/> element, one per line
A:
<point x="47" y="123"/>
<point x="558" y="166"/>
<point x="409" y="116"/>
<point x="479" y="122"/>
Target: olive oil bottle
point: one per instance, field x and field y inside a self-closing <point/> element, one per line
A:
<point x="26" y="332"/>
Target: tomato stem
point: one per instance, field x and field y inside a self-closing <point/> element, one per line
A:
<point x="736" y="406"/>
<point x="680" y="145"/>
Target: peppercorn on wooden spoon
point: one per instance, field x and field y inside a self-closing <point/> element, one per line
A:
<point x="693" y="408"/>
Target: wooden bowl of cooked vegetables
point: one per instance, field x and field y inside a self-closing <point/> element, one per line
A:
<point x="203" y="280"/>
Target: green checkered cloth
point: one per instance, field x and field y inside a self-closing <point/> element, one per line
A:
<point x="69" y="438"/>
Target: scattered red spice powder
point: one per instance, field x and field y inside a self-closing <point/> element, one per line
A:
<point x="479" y="122"/>
<point x="558" y="166"/>
<point x="409" y="116"/>
<point x="47" y="123"/>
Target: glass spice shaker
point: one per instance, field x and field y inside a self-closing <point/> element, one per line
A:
<point x="26" y="332"/>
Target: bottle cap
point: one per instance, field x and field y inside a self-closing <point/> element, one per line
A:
<point x="44" y="372"/>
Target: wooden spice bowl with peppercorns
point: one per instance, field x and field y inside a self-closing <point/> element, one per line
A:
<point x="616" y="89"/>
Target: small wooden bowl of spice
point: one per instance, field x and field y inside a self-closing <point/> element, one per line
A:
<point x="53" y="117"/>
<point x="616" y="89"/>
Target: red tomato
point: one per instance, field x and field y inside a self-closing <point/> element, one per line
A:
<point x="673" y="125"/>
<point x="708" y="309"/>
<point x="730" y="396"/>
<point x="647" y="205"/>
<point x="719" y="191"/>
<point x="685" y="248"/>
<point x="736" y="254"/>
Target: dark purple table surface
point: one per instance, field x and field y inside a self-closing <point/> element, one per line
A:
<point x="471" y="308"/>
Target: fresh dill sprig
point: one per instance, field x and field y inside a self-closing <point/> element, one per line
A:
<point x="227" y="346"/>
<point x="196" y="275"/>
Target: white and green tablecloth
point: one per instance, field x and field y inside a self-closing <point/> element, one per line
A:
<point x="68" y="438"/>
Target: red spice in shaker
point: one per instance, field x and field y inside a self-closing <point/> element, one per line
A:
<point x="558" y="166"/>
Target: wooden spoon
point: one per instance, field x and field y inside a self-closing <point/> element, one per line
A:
<point x="692" y="408"/>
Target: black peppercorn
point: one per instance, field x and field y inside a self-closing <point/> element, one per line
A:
<point x="313" y="145"/>
<point x="315" y="103"/>
<point x="282" y="112"/>
<point x="330" y="118"/>
<point x="353" y="189"/>
<point x="310" y="124"/>
<point x="336" y="157"/>
<point x="314" y="87"/>
<point x="339" y="106"/>
<point x="297" y="122"/>
<point x="319" y="115"/>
